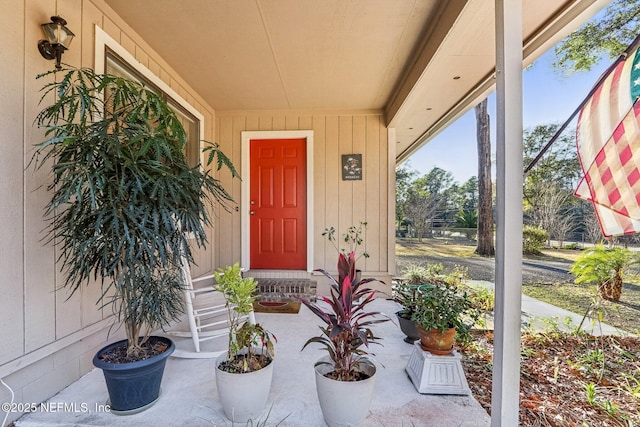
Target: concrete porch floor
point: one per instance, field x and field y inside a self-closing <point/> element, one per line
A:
<point x="189" y="395"/>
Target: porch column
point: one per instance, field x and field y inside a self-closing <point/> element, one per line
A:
<point x="508" y="277"/>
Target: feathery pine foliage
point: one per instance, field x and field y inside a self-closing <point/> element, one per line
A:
<point x="123" y="198"/>
<point x="604" y="267"/>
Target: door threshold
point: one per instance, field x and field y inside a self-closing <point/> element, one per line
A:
<point x="277" y="274"/>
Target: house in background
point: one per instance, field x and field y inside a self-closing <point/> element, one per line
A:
<point x="287" y="88"/>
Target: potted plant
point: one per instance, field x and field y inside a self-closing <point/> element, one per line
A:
<point x="244" y="372"/>
<point x="123" y="201"/>
<point x="353" y="237"/>
<point x="345" y="377"/>
<point x="441" y="312"/>
<point x="604" y="267"/>
<point x="406" y="294"/>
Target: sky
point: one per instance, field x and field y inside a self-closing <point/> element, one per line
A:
<point x="548" y="97"/>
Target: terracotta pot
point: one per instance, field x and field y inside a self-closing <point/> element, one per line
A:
<point x="437" y="342"/>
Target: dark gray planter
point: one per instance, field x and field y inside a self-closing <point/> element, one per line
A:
<point x="409" y="328"/>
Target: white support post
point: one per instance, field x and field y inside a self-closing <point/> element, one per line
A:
<point x="508" y="277"/>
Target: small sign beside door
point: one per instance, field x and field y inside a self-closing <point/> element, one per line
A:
<point x="352" y="167"/>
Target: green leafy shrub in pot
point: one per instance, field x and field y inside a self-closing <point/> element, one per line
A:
<point x="123" y="197"/>
<point x="407" y="291"/>
<point x="245" y="338"/>
<point x="443" y="307"/>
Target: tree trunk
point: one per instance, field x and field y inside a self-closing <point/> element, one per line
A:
<point x="485" y="193"/>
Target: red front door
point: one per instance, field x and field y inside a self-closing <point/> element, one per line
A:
<point x="278" y="204"/>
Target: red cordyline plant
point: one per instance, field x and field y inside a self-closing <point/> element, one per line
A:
<point x="348" y="324"/>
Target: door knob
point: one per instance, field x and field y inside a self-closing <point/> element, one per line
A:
<point x="251" y="212"/>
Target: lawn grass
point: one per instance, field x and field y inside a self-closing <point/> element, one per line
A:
<point x="561" y="254"/>
<point x="440" y="247"/>
<point x="624" y="314"/>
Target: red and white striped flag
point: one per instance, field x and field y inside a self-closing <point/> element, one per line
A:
<point x="608" y="140"/>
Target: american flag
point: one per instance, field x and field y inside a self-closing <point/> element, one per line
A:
<point x="608" y="140"/>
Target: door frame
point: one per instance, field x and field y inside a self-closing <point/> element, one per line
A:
<point x="245" y="170"/>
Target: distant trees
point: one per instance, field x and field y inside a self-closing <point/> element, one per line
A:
<point x="548" y="187"/>
<point x="421" y="209"/>
<point x="429" y="198"/>
<point x="555" y="213"/>
<point x="404" y="178"/>
<point x="432" y="200"/>
<point x="436" y="200"/>
<point x="466" y="195"/>
<point x="559" y="166"/>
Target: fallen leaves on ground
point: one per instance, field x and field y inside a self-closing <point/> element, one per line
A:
<point x="566" y="379"/>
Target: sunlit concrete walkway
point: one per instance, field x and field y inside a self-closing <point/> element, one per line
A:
<point x="189" y="396"/>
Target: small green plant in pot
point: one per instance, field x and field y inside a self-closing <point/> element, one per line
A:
<point x="244" y="336"/>
<point x="345" y="336"/>
<point x="441" y="312"/>
<point x="604" y="267"/>
<point x="407" y="291"/>
<point x="123" y="201"/>
<point x="244" y="372"/>
<point x="353" y="237"/>
<point x="407" y="294"/>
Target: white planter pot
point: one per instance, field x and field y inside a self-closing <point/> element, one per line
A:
<point x="344" y="403"/>
<point x="243" y="396"/>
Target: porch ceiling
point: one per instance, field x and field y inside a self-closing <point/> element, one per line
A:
<point x="423" y="62"/>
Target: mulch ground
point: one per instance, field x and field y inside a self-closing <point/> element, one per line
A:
<point x="566" y="379"/>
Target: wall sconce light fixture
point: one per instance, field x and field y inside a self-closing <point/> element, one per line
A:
<point x="58" y="39"/>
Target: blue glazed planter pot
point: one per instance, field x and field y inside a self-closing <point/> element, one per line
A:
<point x="133" y="386"/>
